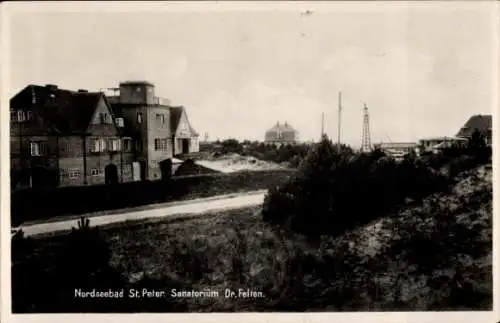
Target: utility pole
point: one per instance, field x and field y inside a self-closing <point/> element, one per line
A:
<point x="322" y="125"/>
<point x="339" y="118"/>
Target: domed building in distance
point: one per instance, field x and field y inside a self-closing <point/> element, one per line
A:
<point x="281" y="134"/>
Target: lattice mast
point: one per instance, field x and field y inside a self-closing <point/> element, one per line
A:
<point x="365" y="141"/>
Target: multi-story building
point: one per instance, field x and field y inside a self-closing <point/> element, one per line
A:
<point x="62" y="137"/>
<point x="159" y="130"/>
<point x="281" y="134"/>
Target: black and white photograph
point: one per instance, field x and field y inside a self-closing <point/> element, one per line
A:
<point x="249" y="157"/>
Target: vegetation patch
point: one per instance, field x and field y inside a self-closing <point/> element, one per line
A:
<point x="36" y="204"/>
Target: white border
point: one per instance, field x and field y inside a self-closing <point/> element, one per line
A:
<point x="420" y="317"/>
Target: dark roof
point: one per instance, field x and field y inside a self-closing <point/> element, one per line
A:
<point x="64" y="111"/>
<point x="81" y="109"/>
<point x="137" y="83"/>
<point x="282" y="128"/>
<point x="483" y="123"/>
<point x="175" y="118"/>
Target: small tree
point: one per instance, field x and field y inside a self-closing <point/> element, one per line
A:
<point x="478" y="148"/>
<point x="477" y="140"/>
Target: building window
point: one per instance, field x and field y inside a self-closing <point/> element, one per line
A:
<point x="160" y="120"/>
<point x="138" y="89"/>
<point x="35" y="149"/>
<point x="102" y="144"/>
<point x="104" y="118"/>
<point x="73" y="173"/>
<point x="97" y="172"/>
<point x="127" y="144"/>
<point x="21" y="116"/>
<point x="98" y="145"/>
<point x="115" y="145"/>
<point x="13" y="115"/>
<point x="139" y="117"/>
<point x="161" y="144"/>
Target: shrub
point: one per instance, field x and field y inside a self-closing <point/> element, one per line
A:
<point x="46" y="281"/>
<point x="336" y="189"/>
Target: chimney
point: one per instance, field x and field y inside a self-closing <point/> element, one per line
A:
<point x="82" y="91"/>
<point x="51" y="87"/>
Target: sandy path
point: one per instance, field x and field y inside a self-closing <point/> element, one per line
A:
<point x="198" y="206"/>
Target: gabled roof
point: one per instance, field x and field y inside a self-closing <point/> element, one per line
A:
<point x="282" y="128"/>
<point x="483" y="123"/>
<point x="80" y="110"/>
<point x="66" y="112"/>
<point x="175" y="118"/>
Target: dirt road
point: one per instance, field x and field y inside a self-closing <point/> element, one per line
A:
<point x="198" y="206"/>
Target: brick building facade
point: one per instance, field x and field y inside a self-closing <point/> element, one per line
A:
<point x="65" y="138"/>
<point x="62" y="138"/>
<point x="160" y="131"/>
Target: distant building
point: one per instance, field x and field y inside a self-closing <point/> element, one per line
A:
<point x="436" y="143"/>
<point x="281" y="134"/>
<point x="396" y="149"/>
<point x="481" y="123"/>
<point x="405" y="147"/>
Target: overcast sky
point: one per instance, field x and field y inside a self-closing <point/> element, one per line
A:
<point x="422" y="69"/>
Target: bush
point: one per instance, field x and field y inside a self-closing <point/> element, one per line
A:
<point x="46" y="281"/>
<point x="336" y="189"/>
